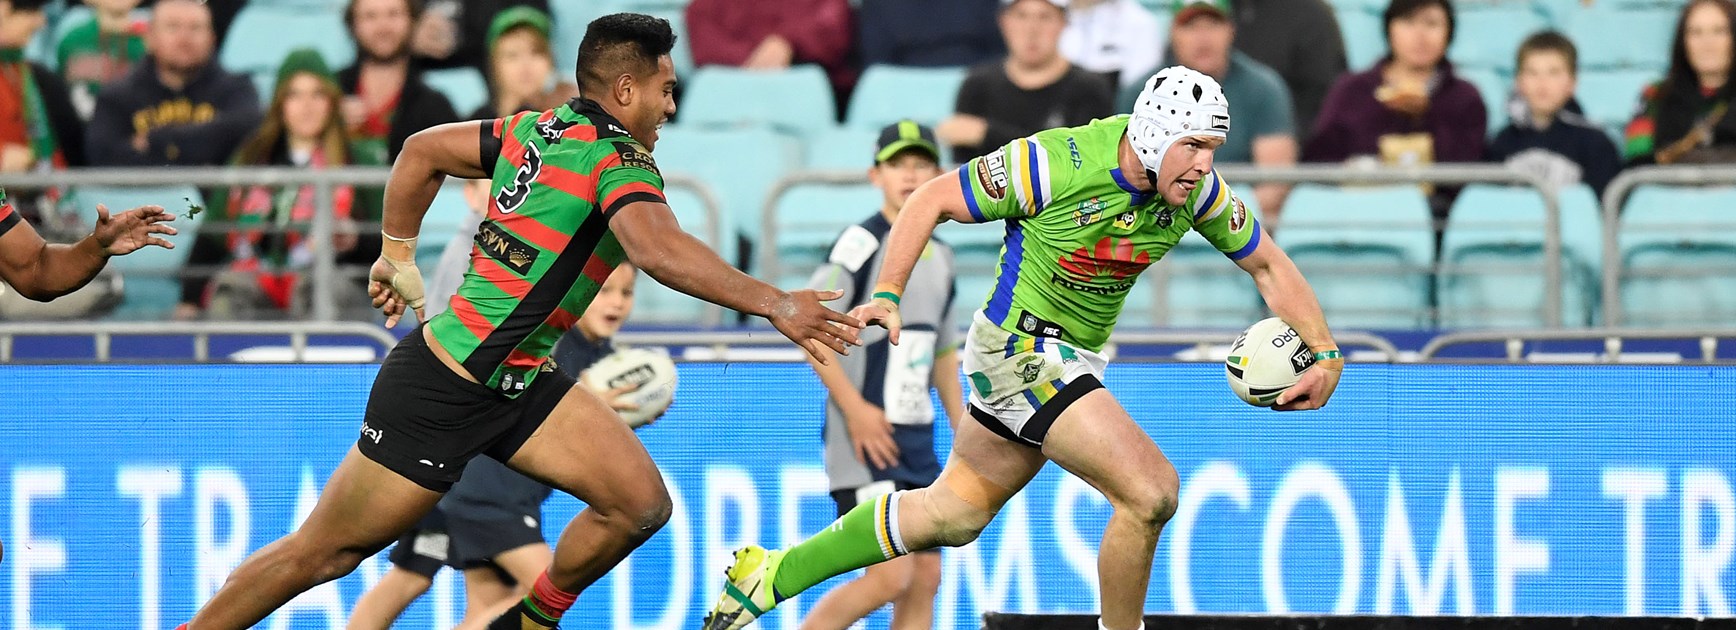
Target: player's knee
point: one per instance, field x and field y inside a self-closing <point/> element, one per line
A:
<point x="925" y="576"/>
<point x="645" y="514"/>
<point x="1153" y="498"/>
<point x="957" y="523"/>
<point x="322" y="561"/>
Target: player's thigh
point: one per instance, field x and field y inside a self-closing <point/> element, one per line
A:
<point x="584" y="449"/>
<point x="978" y="452"/>
<point x="1095" y="439"/>
<point x="365" y="506"/>
<point x="525" y="563"/>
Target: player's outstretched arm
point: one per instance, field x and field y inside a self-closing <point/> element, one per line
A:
<point x="1288" y="295"/>
<point x="42" y="272"/>
<point x="655" y="243"/>
<point x="941" y="199"/>
<point x="429" y="156"/>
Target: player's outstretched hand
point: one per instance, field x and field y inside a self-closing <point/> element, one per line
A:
<point x="393" y="287"/>
<point x="132" y="230"/>
<point x="883" y="312"/>
<point x="1315" y="387"/>
<point x="800" y="316"/>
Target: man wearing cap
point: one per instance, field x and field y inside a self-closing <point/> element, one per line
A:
<point x="1034" y="88"/>
<point x="879" y="433"/>
<point x="1086" y="210"/>
<point x="1202" y="37"/>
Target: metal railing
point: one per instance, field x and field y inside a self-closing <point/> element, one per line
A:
<point x="1201" y="341"/>
<point x="324" y="182"/>
<point x="1241" y="174"/>
<point x="103" y="334"/>
<point x="1615" y="196"/>
<point x="1613" y="339"/>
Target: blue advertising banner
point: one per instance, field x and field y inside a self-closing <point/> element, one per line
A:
<point x="128" y="493"/>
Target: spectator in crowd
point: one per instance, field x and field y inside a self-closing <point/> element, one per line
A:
<point x="223" y="14"/>
<point x="1410" y="108"/>
<point x="1202" y="38"/>
<point x="100" y="50"/>
<point x="1299" y="39"/>
<point x="387" y="100"/>
<point x="1686" y="118"/>
<point x="1114" y="38"/>
<point x="775" y="34"/>
<point x="928" y="33"/>
<point x="1549" y="134"/>
<point x="454" y="33"/>
<point x="1034" y="88"/>
<point x="38" y="127"/>
<point x="521" y="66"/>
<point x="260" y="240"/>
<point x="176" y="107"/>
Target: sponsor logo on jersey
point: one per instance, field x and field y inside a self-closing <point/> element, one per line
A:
<point x="1165" y="218"/>
<point x="1238" y="215"/>
<point x="631" y="156"/>
<point x="1033" y="325"/>
<point x="1087" y="212"/>
<point x="1073" y="153"/>
<point x="505" y="248"/>
<point x="991" y="174"/>
<point x="1105" y="269"/>
<point x="1127" y="220"/>
<point x="1301" y="359"/>
<point x="513" y="195"/>
<point x="552" y="129"/>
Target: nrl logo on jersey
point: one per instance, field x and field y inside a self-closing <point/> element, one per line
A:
<point x="991" y="174"/>
<point x="1088" y="211"/>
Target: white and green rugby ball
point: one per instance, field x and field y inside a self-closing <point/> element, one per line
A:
<point x="1266" y="360"/>
<point x="650" y="371"/>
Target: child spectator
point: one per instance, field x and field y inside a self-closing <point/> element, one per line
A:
<point x="100" y="50"/>
<point x="1549" y="134"/>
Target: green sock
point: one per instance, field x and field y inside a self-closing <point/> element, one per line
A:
<point x="867" y="534"/>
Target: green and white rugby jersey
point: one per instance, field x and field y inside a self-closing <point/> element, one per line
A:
<point x="1079" y="234"/>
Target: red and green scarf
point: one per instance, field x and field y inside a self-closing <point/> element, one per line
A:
<point x="15" y="70"/>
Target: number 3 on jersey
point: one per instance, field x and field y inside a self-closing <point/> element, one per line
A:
<point x="513" y="195"/>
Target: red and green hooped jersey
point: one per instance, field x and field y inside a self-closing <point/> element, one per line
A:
<point x="545" y="248"/>
<point x="8" y="217"/>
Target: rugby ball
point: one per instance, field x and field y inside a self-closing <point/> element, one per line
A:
<point x="650" y="370"/>
<point x="1266" y="360"/>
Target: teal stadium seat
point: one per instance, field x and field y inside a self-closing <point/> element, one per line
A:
<point x="809" y="218"/>
<point x="465" y="88"/>
<point x="1368" y="252"/>
<point x="1610" y="96"/>
<point x="740" y="165"/>
<point x="1613" y="39"/>
<point x="445" y="216"/>
<point x="887" y="94"/>
<point x="1364" y="38"/>
<point x="1678" y="248"/>
<point x="1489" y="38"/>
<point x="798" y="99"/>
<point x="1493" y="263"/>
<point x="840" y="149"/>
<point x="1198" y="287"/>
<point x="572" y="16"/>
<point x="151" y="276"/>
<point x="262" y="35"/>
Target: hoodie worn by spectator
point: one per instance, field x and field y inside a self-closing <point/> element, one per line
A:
<point x="1353" y="121"/>
<point x="927" y="33"/>
<point x="200" y="124"/>
<point x="729" y="32"/>
<point x="1568" y="150"/>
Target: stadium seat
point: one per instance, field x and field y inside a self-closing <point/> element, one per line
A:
<point x="887" y="94"/>
<point x="840" y="149"/>
<point x="571" y="18"/>
<point x="1198" y="287"/>
<point x="151" y="276"/>
<point x="974" y="288"/>
<point x="448" y="212"/>
<point x="1364" y="39"/>
<point x="1489" y="38"/>
<point x="1493" y="264"/>
<point x="1678" y="247"/>
<point x="809" y="217"/>
<point x="1612" y="39"/>
<point x="1609" y="97"/>
<point x="798" y="99"/>
<point x="740" y="165"/>
<point x="262" y="35"/>
<point x="465" y="88"/>
<point x="1368" y="252"/>
<point x="1495" y="89"/>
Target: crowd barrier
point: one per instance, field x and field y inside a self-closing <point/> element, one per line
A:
<point x="1466" y="490"/>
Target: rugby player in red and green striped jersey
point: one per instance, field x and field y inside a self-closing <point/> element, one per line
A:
<point x="575" y="192"/>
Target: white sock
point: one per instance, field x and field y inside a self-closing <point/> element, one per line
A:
<point x="1100" y="625"/>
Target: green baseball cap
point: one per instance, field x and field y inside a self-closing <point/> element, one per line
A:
<point x="515" y="17"/>
<point x="1185" y="10"/>
<point x="902" y="135"/>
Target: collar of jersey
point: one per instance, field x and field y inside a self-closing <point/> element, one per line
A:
<point x="1139" y="197"/>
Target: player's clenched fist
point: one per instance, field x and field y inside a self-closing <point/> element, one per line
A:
<point x="800" y="316"/>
